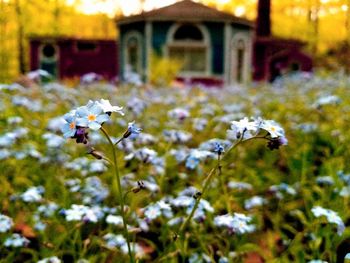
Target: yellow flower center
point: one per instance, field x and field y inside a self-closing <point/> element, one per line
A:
<point x="92" y="117"/>
<point x="72" y="125"/>
<point x="273" y="128"/>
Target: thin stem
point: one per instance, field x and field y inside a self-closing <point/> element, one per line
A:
<point x="208" y="180"/>
<point x="120" y="139"/>
<point x="120" y="193"/>
<point x="223" y="185"/>
<point x="107" y="159"/>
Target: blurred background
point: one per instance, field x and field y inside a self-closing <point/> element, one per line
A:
<point x="323" y="24"/>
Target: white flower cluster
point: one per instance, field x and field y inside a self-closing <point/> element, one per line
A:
<point x="248" y="129"/>
<point x="332" y="217"/>
<point x="92" y="116"/>
<point x="238" y="223"/>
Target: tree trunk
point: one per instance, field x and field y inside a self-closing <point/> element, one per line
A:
<point x="2" y="42"/>
<point x="347" y="22"/>
<point x="313" y="19"/>
<point x="56" y="17"/>
<point x="20" y="37"/>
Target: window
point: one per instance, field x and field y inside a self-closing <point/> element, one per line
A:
<point x="188" y="45"/>
<point x="49" y="56"/>
<point x="86" y="46"/>
<point x="133" y="54"/>
<point x="193" y="59"/>
<point x="240" y="60"/>
<point x="48" y="51"/>
<point x="188" y="32"/>
<point x="132" y="46"/>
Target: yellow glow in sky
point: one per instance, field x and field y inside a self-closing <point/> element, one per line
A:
<point x="110" y="7"/>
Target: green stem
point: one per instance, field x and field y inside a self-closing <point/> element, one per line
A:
<point x="120" y="193"/>
<point x="208" y="180"/>
<point x="120" y="139"/>
<point x="223" y="186"/>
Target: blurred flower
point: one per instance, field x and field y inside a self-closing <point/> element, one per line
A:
<point x="5" y="223"/>
<point x="90" y="78"/>
<point x="33" y="194"/>
<point x="53" y="140"/>
<point x="178" y="113"/>
<point x="239" y="185"/>
<point x="255" y="201"/>
<point x="136" y="105"/>
<point x="76" y="212"/>
<point x="238" y="223"/>
<point x="113" y="241"/>
<point x="325" y="180"/>
<point x="327" y="100"/>
<point x="153" y="211"/>
<point x="4" y="154"/>
<point x="177" y="136"/>
<point x="114" y="220"/>
<point x="144" y="154"/>
<point x="132" y="129"/>
<point x="50" y="260"/>
<point x="282" y="188"/>
<point x="223" y="260"/>
<point x="16" y="240"/>
<point x="192" y="162"/>
<point x="14" y="120"/>
<point x="332" y="217"/>
<point x="37" y="74"/>
<point x="219" y="149"/>
<point x="48" y="209"/>
<point x="94" y="191"/>
<point x="199" y="124"/>
<point x="199" y="258"/>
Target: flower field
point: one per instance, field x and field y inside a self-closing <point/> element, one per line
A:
<point x="99" y="173"/>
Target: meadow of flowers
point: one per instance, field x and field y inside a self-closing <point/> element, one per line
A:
<point x="99" y="173"/>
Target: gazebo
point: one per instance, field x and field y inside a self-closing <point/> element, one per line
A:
<point x="214" y="47"/>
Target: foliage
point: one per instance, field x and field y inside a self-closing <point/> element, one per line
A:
<point x="63" y="200"/>
<point x="163" y="70"/>
<point x="56" y="19"/>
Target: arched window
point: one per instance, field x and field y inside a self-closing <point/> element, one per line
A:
<point x="240" y="58"/>
<point x="49" y="56"/>
<point x="189" y="44"/>
<point x="133" y="52"/>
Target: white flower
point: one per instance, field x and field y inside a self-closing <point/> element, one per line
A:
<point x="238" y="223"/>
<point x="272" y="128"/>
<point x="244" y="127"/>
<point x="33" y="194"/>
<point x="16" y="240"/>
<point x="113" y="241"/>
<point x="107" y="107"/>
<point x="91" y="116"/>
<point x="152" y="212"/>
<point x="332" y="217"/>
<point x="5" y="223"/>
<point x="50" y="260"/>
<point x="255" y="201"/>
<point x="114" y="220"/>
